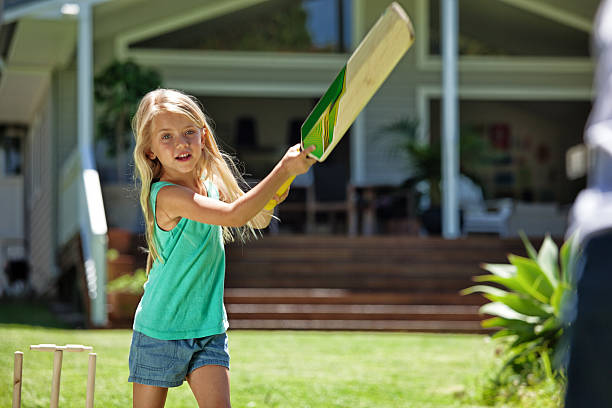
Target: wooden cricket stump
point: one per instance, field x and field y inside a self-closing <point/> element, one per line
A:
<point x="57" y="371"/>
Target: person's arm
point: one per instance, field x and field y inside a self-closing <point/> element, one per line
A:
<point x="180" y="202"/>
<point x="262" y="220"/>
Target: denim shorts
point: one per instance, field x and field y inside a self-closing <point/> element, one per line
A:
<point x="166" y="363"/>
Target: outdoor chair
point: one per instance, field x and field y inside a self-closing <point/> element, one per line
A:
<point x="490" y="217"/>
<point x="480" y="216"/>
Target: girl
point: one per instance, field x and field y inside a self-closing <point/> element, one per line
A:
<point x="192" y="204"/>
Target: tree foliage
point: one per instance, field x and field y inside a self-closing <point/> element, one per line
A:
<point x="118" y="90"/>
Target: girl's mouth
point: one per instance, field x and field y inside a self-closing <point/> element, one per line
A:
<point x="184" y="157"/>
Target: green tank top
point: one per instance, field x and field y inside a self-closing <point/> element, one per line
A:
<point x="183" y="297"/>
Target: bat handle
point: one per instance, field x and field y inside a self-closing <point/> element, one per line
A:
<point x="272" y="203"/>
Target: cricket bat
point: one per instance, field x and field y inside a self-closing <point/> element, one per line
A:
<point x="356" y="83"/>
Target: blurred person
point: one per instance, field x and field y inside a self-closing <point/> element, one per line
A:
<point x="590" y="359"/>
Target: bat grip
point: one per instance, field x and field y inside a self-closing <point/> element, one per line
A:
<point x="272" y="203"/>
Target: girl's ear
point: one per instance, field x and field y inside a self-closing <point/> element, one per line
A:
<point x="203" y="137"/>
<point x="150" y="155"/>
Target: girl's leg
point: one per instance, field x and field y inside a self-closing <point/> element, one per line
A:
<point x="210" y="386"/>
<point x="148" y="396"/>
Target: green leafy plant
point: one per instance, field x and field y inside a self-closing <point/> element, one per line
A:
<point x="425" y="158"/>
<point x="133" y="284"/>
<point x="118" y="89"/>
<point x="529" y="310"/>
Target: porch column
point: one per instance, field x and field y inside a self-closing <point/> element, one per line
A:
<point x="358" y="131"/>
<point x="450" y="118"/>
<point x="91" y="208"/>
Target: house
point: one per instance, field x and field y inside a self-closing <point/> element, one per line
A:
<point x="524" y="83"/>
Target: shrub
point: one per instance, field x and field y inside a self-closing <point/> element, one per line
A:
<point x="528" y="313"/>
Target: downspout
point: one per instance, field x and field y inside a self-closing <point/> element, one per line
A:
<point x="450" y="119"/>
<point x="91" y="208"/>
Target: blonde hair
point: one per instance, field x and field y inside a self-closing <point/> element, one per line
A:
<point x="214" y="165"/>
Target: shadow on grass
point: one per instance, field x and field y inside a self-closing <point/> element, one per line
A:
<point x="29" y="312"/>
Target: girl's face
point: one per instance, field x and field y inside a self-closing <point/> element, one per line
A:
<point x="177" y="142"/>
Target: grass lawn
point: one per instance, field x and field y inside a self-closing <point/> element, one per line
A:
<point x="269" y="369"/>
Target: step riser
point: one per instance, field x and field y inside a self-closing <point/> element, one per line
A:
<point x="364" y="325"/>
<point x="402" y="285"/>
<point x="350" y="316"/>
<point x="238" y="269"/>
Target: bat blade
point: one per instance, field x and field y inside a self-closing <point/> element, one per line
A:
<point x="357" y="82"/>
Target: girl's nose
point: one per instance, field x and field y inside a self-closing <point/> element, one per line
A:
<point x="183" y="141"/>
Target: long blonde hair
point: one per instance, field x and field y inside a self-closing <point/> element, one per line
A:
<point x="214" y="165"/>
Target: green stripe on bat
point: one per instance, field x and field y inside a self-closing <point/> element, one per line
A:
<point x="313" y="129"/>
<point x="315" y="137"/>
<point x="333" y="115"/>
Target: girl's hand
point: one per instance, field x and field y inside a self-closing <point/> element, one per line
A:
<point x="296" y="161"/>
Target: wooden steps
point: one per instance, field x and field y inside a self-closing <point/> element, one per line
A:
<point x="381" y="283"/>
<point x="325" y="309"/>
<point x="362" y="283"/>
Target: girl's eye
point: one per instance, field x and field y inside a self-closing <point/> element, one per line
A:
<point x="166" y="136"/>
<point x="190" y="132"/>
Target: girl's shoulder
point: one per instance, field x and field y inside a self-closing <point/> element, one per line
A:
<point x="158" y="185"/>
<point x="211" y="188"/>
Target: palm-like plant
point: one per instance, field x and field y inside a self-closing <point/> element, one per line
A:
<point x="425" y="157"/>
<point x="530" y="309"/>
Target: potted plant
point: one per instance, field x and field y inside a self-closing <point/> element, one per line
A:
<point x="123" y="295"/>
<point x="425" y="161"/>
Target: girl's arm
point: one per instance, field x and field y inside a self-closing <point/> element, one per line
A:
<point x="180" y="202"/>
<point x="262" y="220"/>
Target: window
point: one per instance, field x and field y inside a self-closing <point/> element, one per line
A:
<point x="11" y="158"/>
<point x="275" y="26"/>
<point x="494" y="28"/>
<point x="527" y="141"/>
